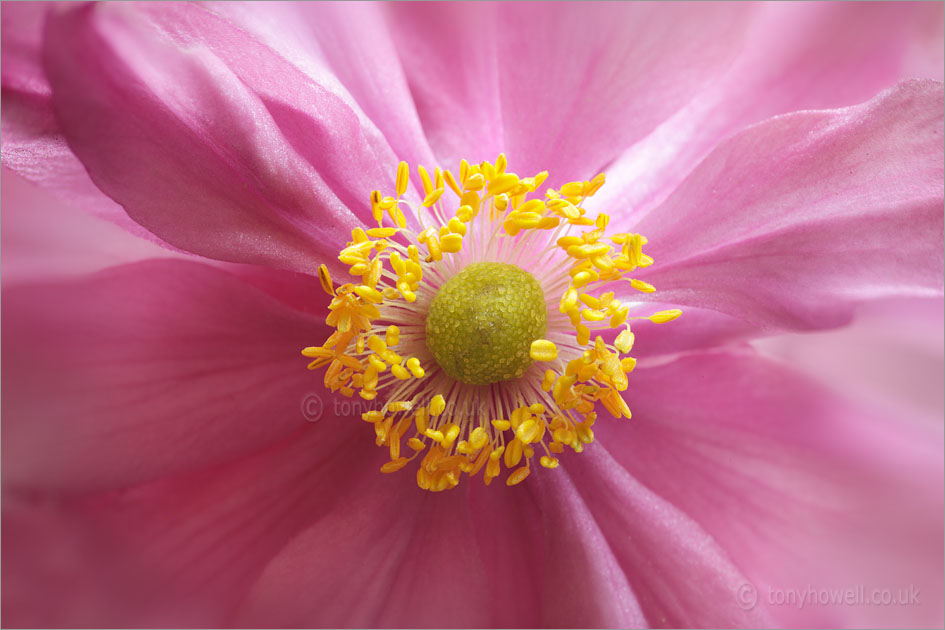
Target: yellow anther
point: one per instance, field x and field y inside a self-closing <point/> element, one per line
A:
<point x="475" y="182"/>
<point x="501" y="424"/>
<point x="358" y="235"/>
<point x="548" y="462"/>
<point x="604" y="263"/>
<point x="534" y="205"/>
<point x="425" y="180"/>
<point x="543" y="350"/>
<point x="513" y="453"/>
<point x="548" y="380"/>
<point x="376" y="209"/>
<point x="639" y="285"/>
<point x="325" y="279"/>
<point x="592" y="315"/>
<point x="413" y="364"/>
<point x="569" y="241"/>
<point x="619" y="316"/>
<point x="376" y="344"/>
<point x="437" y="405"/>
<point x="518" y="476"/>
<point x="397" y="263"/>
<point x="392" y="336"/>
<point x="400" y="405"/>
<point x="501" y="202"/>
<point x="583" y="334"/>
<point x="451" y="243"/>
<point x="369" y="294"/>
<point x="382" y="232"/>
<point x="572" y="189"/>
<point x="588" y="251"/>
<point x="627" y="364"/>
<point x="400" y="372"/>
<point x="464" y="214"/>
<point x="590" y="300"/>
<point x="416" y="444"/>
<point x="436" y="436"/>
<point x="581" y="278"/>
<point x="394" y="465"/>
<point x="420" y="420"/>
<point x="433" y="245"/>
<point x="500" y="163"/>
<point x="403" y="175"/>
<point x="372" y="416"/>
<point x="479" y="437"/>
<point x="584" y="433"/>
<point x="528" y="431"/>
<point x="624" y="341"/>
<point x="457" y="226"/>
<point x="433" y="197"/>
<point x="452" y="183"/>
<point x="450" y="434"/>
<point x="665" y="316"/>
<point x="376" y="363"/>
<point x="594" y="185"/>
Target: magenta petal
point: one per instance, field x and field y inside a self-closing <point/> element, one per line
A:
<point x="562" y="87"/>
<point x="801" y="489"/>
<point x="180" y="552"/>
<point x="213" y="143"/>
<point x="792" y="222"/>
<point x="144" y="370"/>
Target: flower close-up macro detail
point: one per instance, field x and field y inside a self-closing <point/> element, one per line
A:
<point x="472" y="314"/>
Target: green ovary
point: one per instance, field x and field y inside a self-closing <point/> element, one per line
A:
<point x="483" y="320"/>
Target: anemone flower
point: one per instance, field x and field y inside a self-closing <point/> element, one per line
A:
<point x="480" y="224"/>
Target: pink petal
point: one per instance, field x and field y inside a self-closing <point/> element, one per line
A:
<point x="43" y="238"/>
<point x="803" y="490"/>
<point x="797" y="56"/>
<point x="349" y="48"/>
<point x="907" y="334"/>
<point x="792" y="222"/>
<point x="33" y="144"/>
<point x="391" y="556"/>
<point x="584" y="583"/>
<point x="180" y="552"/>
<point x="562" y="87"/>
<point x="267" y="178"/>
<point x="678" y="572"/>
<point x="144" y="370"/>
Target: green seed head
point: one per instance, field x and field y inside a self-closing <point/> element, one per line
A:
<point x="483" y="321"/>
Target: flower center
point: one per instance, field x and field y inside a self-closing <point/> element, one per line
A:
<point x="452" y="344"/>
<point x="482" y="323"/>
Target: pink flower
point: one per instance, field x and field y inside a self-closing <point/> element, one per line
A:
<point x="157" y="470"/>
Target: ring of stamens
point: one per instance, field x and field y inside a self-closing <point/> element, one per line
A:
<point x="379" y="344"/>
